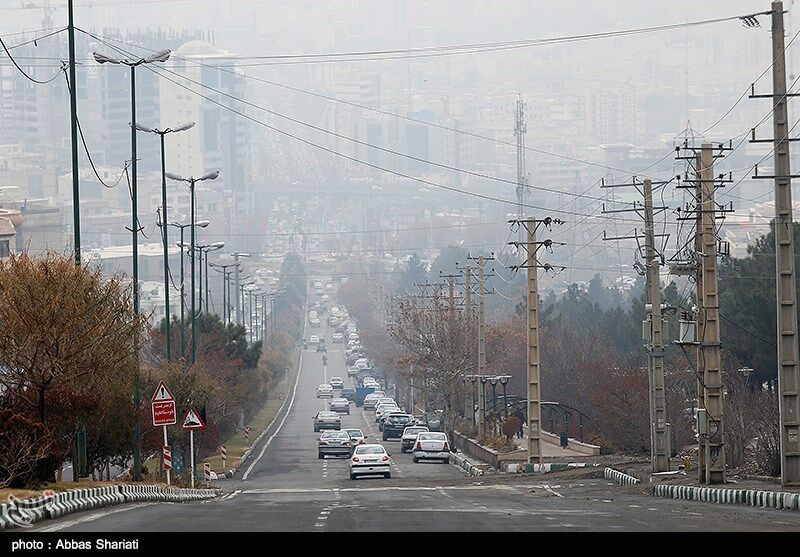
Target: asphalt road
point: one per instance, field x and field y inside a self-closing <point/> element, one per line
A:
<point x="287" y="488"/>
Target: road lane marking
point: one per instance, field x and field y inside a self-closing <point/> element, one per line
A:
<point x="552" y="492"/>
<point x="288" y="411"/>
<point x="278" y="491"/>
<point x="93" y="517"/>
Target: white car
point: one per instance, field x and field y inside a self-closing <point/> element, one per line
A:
<point x="357" y="436"/>
<point x="353" y="336"/>
<point x="315" y="322"/>
<point x="337" y="382"/>
<point x="313" y="339"/>
<point x="340" y="406"/>
<point x="385" y="408"/>
<point x="409" y="437"/>
<point x="432" y="446"/>
<point x="327" y="420"/>
<point x="361" y="363"/>
<point x="371" y="400"/>
<point x="352" y="371"/>
<point x="325" y="391"/>
<point x="337" y="338"/>
<point x="370" y="460"/>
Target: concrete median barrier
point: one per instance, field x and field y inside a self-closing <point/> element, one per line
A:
<point x="21" y="513"/>
<point x="730" y="496"/>
<point x="620" y="477"/>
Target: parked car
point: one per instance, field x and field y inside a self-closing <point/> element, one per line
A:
<point x="395" y="423"/>
<point x="327" y="420"/>
<point x="409" y="437"/>
<point x="432" y="446"/>
<point x="340" y="406"/>
<point x="370" y="460"/>
<point x="433" y="421"/>
<point x="335" y="443"/>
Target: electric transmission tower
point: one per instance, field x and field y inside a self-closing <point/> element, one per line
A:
<point x="520" y="129"/>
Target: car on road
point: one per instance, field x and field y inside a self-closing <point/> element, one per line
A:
<point x="432" y="446"/>
<point x="383" y="410"/>
<point x="349" y="394"/>
<point x="357" y="436"/>
<point x="371" y="400"/>
<point x="340" y="406"/>
<point x="313" y="339"/>
<point x="337" y="338"/>
<point x="433" y="420"/>
<point x="315" y="322"/>
<point x="370" y="460"/>
<point x="327" y="420"/>
<point x="335" y="443"/>
<point x="409" y="437"/>
<point x="321" y="347"/>
<point x="352" y="371"/>
<point x="394" y="424"/>
<point x="325" y="391"/>
<point x="337" y="383"/>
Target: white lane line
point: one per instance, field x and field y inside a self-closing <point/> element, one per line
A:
<point x="284" y="491"/>
<point x="550" y="490"/>
<point x="283" y="421"/>
<point x="93" y="517"/>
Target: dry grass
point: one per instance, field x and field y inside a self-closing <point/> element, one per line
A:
<point x="236" y="444"/>
<point x="5" y="493"/>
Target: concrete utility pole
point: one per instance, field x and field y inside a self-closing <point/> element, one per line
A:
<point x="701" y="389"/>
<point x="481" y="336"/>
<point x="788" y="370"/>
<point x="532" y="264"/>
<point x="469" y="410"/>
<point x="520" y="129"/>
<point x="710" y="334"/>
<point x="658" y="411"/>
<point x="237" y="285"/>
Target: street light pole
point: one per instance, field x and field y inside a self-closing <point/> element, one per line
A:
<point x="192" y="181"/>
<point x="73" y="105"/>
<point x="165" y="219"/>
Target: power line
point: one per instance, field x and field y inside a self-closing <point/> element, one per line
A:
<point x="23" y="72"/>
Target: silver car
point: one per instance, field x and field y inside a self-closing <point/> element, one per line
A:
<point x="337" y="383"/>
<point x="357" y="436"/>
<point x="432" y="445"/>
<point x="335" y="443"/>
<point x="327" y="420"/>
<point x="370" y="460"/>
<point x="340" y="406"/>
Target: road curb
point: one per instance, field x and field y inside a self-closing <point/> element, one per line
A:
<point x="620" y="477"/>
<point x="25" y="512"/>
<point x="468" y="468"/>
<point x="726" y="496"/>
<point x="520" y="467"/>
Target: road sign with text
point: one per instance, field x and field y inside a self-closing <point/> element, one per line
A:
<point x="163" y="406"/>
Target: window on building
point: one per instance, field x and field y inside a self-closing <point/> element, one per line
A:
<point x="5" y="248"/>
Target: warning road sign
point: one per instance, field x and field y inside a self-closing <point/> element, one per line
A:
<point x="193" y="421"/>
<point x="163" y="406"/>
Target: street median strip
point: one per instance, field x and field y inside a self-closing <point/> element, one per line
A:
<point x="620" y="477"/>
<point x="727" y="496"/>
<point x="26" y="512"/>
<point x="468" y="468"/>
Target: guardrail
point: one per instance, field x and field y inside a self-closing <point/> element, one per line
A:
<point x="26" y="512"/>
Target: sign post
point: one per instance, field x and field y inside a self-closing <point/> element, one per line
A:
<point x="224" y="454"/>
<point x="191" y="422"/>
<point x="162" y="405"/>
<point x="207" y="473"/>
<point x="246" y="433"/>
<point x="167" y="452"/>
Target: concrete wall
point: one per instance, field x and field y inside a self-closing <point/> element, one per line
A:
<point x="577" y="446"/>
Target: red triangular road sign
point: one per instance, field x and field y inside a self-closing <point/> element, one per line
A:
<point x="162" y="393"/>
<point x="193" y="421"/>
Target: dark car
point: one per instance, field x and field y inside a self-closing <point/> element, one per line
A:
<point x="349" y="394"/>
<point x="432" y="420"/>
<point x="321" y="347"/>
<point x="395" y="423"/>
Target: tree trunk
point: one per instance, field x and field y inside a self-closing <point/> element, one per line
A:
<point x="41" y="404"/>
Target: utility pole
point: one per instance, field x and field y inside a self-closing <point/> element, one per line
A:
<point x="73" y="107"/>
<point x="532" y="265"/>
<point x="788" y="370"/>
<point x="658" y="408"/>
<point x="469" y="409"/>
<point x="237" y="286"/>
<point x="701" y="323"/>
<point x="520" y="129"/>
<point x="710" y="334"/>
<point x="482" y="260"/>
<point x="653" y="325"/>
